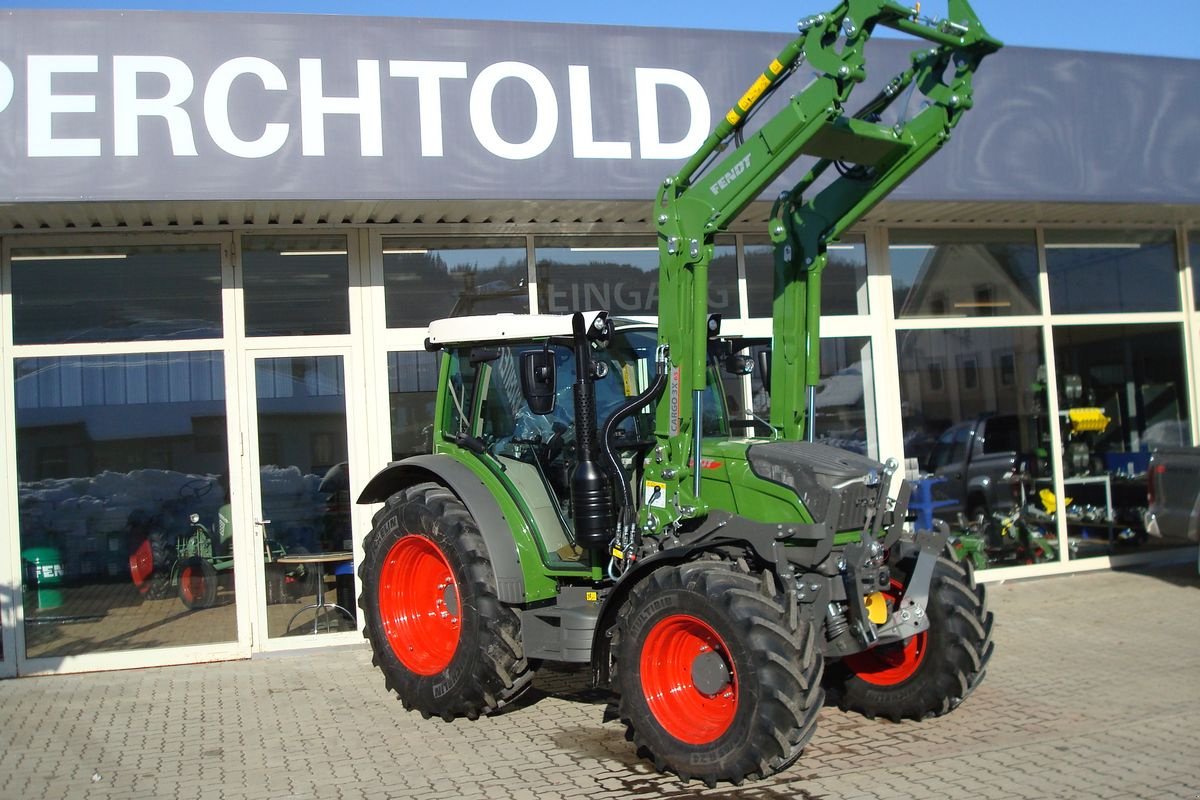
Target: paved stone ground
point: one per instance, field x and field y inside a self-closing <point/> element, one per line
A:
<point x="1094" y="692"/>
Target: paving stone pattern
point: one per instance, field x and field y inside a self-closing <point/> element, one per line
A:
<point x="1094" y="692"/>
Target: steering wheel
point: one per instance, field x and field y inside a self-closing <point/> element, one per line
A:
<point x="196" y="488"/>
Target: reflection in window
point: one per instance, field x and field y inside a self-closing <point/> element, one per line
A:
<point x="115" y="454"/>
<point x="843" y="283"/>
<point x="978" y="440"/>
<point x="296" y="285"/>
<point x="1194" y="260"/>
<point x="304" y="481"/>
<point x="412" y="393"/>
<point x="936" y="377"/>
<point x="428" y="279"/>
<point x="963" y="273"/>
<point x="845" y="398"/>
<point x="116" y="294"/>
<point x="1123" y="394"/>
<point x="1093" y="272"/>
<point x="620" y="275"/>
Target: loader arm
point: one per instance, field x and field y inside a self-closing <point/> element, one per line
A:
<point x="731" y="169"/>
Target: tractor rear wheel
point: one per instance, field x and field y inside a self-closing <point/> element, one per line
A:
<point x="442" y="638"/>
<point x="150" y="566"/>
<point x="718" y="680"/>
<point x="930" y="673"/>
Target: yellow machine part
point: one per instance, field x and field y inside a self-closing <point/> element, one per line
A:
<point x="877" y="610"/>
<point x="1050" y="501"/>
<point x="1087" y="420"/>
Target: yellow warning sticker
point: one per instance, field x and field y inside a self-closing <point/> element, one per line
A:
<point x="656" y="494"/>
<point x="754" y="92"/>
<point x="627" y="380"/>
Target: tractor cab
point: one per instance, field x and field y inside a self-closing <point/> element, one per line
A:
<point x="522" y="426"/>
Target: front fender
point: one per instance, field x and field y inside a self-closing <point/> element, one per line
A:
<point x="601" y="636"/>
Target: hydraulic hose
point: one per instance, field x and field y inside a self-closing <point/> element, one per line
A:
<point x="652" y="393"/>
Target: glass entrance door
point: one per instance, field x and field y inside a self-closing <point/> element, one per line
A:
<point x="300" y="480"/>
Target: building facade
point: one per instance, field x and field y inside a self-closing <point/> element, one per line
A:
<point x="222" y="238"/>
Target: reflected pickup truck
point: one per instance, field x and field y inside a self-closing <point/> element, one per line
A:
<point x="977" y="459"/>
<point x="1173" y="494"/>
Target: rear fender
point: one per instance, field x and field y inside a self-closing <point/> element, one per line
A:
<point x="494" y="525"/>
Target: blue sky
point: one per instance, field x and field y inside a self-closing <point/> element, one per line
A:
<point x="1159" y="27"/>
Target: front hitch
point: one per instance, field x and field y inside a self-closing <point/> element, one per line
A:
<point x="909" y="617"/>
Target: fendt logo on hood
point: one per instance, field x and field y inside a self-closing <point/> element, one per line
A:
<point x="731" y="175"/>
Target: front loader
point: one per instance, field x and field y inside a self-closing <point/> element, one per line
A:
<point x="585" y="503"/>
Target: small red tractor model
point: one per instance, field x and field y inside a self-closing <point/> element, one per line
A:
<point x="586" y="503"/>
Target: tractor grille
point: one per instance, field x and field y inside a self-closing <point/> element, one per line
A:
<point x="813" y="471"/>
<point x="857" y="498"/>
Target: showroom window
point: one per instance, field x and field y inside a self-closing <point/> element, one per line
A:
<point x="122" y="486"/>
<point x="1194" y="260"/>
<point x="116" y="294"/>
<point x="1122" y="394"/>
<point x="843" y="283"/>
<point x="620" y="275"/>
<point x="296" y="285"/>
<point x="427" y="279"/>
<point x="963" y="273"/>
<point x="977" y="431"/>
<point x="1095" y="272"/>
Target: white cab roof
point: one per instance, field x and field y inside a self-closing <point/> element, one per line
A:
<point x="497" y="327"/>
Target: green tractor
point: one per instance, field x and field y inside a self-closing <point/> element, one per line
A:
<point x="588" y="501"/>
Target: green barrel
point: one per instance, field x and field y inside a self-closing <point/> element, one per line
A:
<point x="44" y="576"/>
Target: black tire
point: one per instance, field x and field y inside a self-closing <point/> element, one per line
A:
<point x="423" y="561"/>
<point x="931" y="673"/>
<point x="303" y="578"/>
<point x="275" y="581"/>
<point x="748" y="713"/>
<point x="197" y="583"/>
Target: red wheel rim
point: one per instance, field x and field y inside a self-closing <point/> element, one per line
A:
<point x="191" y="584"/>
<point x="141" y="565"/>
<point x="668" y="662"/>
<point x="419" y="606"/>
<point x="890" y="664"/>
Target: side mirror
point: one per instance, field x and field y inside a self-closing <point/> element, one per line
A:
<point x="739" y="364"/>
<point x="538" y="380"/>
<point x="764" y="368"/>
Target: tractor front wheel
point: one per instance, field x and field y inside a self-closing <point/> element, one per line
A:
<point x="717" y="680"/>
<point x="930" y="673"/>
<point x="443" y="640"/>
